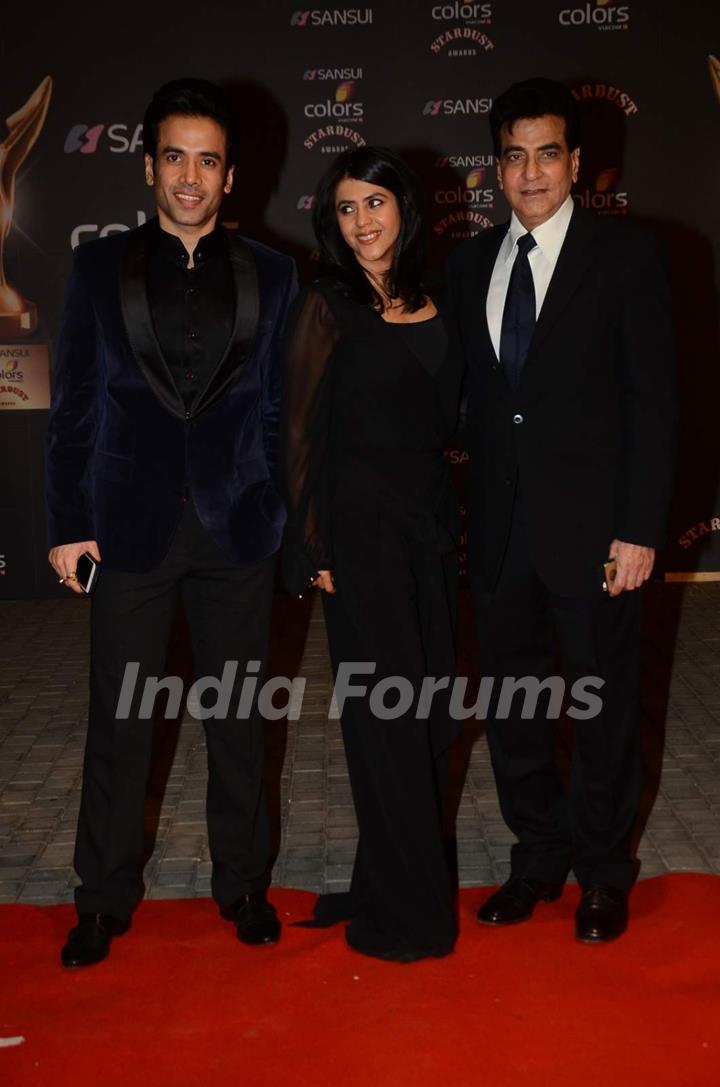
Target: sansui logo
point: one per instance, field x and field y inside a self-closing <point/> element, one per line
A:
<point x="334" y="74"/>
<point x="342" y="109"/>
<point x="603" y="197"/>
<point x="602" y="15"/>
<point x="451" y="107"/>
<point x="470" y="194"/>
<point x="604" y="90"/>
<point x="86" y="138"/>
<point x="480" y="14"/>
<point x="3" y="566"/>
<point x="336" y="17"/>
<point x="464" y="162"/>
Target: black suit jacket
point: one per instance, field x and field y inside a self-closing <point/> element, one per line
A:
<point x="589" y="433"/>
<point x="122" y="450"/>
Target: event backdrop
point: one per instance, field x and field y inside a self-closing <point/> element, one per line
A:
<point x="419" y="75"/>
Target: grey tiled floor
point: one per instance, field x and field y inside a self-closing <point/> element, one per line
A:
<point x="43" y="702"/>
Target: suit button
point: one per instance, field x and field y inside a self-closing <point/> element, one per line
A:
<point x="508" y="481"/>
<point x="518" y="419"/>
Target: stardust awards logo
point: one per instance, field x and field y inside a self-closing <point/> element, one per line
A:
<point x="465" y="38"/>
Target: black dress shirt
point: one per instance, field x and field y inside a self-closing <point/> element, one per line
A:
<point x="193" y="309"/>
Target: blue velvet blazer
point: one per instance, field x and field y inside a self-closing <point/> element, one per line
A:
<point x="121" y="447"/>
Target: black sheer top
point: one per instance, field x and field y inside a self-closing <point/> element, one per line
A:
<point x="369" y="408"/>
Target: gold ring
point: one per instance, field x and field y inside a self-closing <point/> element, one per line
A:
<point x="71" y="577"/>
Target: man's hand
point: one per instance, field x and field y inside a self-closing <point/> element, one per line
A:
<point x="64" y="559"/>
<point x="634" y="566"/>
<point x="323" y="580"/>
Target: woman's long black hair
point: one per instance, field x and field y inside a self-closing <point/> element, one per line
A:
<point x="376" y="166"/>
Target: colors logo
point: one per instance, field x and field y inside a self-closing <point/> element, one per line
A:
<point x="305" y="203"/>
<point x="86" y="139"/>
<point x="603" y="16"/>
<point x="336" y="17"/>
<point x="603" y="197"/>
<point x="9" y="359"/>
<point x="341" y="109"/>
<point x="480" y="14"/>
<point x="471" y="193"/>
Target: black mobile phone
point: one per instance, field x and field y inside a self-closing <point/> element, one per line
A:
<point x="87" y="570"/>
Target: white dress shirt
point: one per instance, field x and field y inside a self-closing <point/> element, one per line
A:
<point x="549" y="237"/>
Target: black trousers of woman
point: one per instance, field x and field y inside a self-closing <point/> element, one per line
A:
<point x="395" y="612"/>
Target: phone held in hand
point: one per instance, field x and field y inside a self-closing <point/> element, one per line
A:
<point x="609" y="574"/>
<point x="87" y="570"/>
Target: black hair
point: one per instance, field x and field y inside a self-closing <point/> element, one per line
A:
<point x="189" y="98"/>
<point x="535" y="98"/>
<point x="377" y="166"/>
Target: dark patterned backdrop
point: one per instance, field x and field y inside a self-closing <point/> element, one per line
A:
<point x="308" y="82"/>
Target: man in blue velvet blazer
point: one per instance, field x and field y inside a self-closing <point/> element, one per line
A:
<point x="161" y="464"/>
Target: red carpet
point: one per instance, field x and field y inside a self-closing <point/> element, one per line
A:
<point x="180" y="1002"/>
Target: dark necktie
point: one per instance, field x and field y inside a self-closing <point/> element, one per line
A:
<point x="518" y="323"/>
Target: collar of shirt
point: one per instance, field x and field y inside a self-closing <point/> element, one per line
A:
<point x="549" y="236"/>
<point x="170" y="245"/>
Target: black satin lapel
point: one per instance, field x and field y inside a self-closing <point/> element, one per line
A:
<point x="575" y="257"/>
<point x="247" y="312"/>
<point x="138" y="322"/>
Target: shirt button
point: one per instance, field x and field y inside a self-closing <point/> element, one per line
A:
<point x="189" y="375"/>
<point x="517" y="419"/>
<point x="192" y="335"/>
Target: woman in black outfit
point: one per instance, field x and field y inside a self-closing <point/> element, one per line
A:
<point x="370" y="404"/>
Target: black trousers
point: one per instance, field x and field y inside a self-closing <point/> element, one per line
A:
<point x="523" y="628"/>
<point x="228" y="610"/>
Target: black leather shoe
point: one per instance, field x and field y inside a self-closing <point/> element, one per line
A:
<point x="89" y="941"/>
<point x="255" y="919"/>
<point x="516" y="900"/>
<point x="602" y="915"/>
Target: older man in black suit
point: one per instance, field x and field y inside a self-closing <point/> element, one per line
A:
<point x="564" y="322"/>
<point x="161" y="462"/>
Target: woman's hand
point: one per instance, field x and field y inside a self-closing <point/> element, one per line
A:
<point x="323" y="580"/>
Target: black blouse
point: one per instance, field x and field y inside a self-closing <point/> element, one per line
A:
<point x="369" y="409"/>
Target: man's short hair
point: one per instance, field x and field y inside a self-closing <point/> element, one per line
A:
<point x="535" y="98"/>
<point x="189" y="98"/>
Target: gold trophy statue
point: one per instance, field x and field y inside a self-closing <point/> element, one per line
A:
<point x="18" y="317"/>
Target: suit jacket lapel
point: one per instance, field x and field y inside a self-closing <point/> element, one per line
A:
<point x="138" y="321"/>
<point x="247" y="311"/>
<point x="575" y="257"/>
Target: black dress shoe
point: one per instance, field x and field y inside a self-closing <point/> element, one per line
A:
<point x="602" y="915"/>
<point x="516" y="900"/>
<point x="255" y="919"/>
<point x="89" y="941"/>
